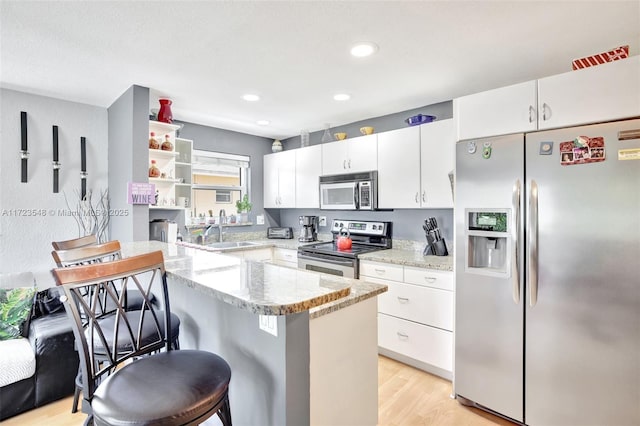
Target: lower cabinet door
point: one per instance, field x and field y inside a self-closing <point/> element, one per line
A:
<point x="421" y="342"/>
<point x="424" y="305"/>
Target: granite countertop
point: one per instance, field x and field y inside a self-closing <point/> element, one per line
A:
<point x="410" y="257"/>
<point x="261" y="288"/>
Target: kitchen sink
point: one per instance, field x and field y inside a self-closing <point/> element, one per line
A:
<point x="232" y="244"/>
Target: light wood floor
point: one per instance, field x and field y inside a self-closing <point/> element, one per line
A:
<point x="406" y="396"/>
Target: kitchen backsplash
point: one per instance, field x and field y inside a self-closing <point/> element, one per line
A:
<point x="407" y="224"/>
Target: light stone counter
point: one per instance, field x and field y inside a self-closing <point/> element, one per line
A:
<point x="410" y="258"/>
<point x="260" y="288"/>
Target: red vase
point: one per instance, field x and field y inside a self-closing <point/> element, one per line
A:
<point x="165" y="115"/>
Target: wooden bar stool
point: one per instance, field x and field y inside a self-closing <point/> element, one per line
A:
<point x="173" y="387"/>
<point x="75" y="243"/>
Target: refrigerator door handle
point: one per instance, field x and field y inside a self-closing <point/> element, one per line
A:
<point x="515" y="272"/>
<point x="533" y="244"/>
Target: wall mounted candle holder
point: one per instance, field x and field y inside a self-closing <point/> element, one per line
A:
<point x="24" y="153"/>
<point x="83" y="167"/>
<point x="56" y="163"/>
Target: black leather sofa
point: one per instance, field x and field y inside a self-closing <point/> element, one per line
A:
<point x="52" y="341"/>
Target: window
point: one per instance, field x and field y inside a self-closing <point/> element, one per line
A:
<point x="219" y="180"/>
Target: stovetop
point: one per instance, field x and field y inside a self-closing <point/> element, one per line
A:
<point x="366" y="237"/>
<point x="330" y="248"/>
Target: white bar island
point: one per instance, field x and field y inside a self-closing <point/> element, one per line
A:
<point x="320" y="369"/>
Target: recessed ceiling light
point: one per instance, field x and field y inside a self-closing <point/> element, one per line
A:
<point x="251" y="98"/>
<point x="360" y="50"/>
<point x="263" y="122"/>
<point x="341" y="97"/>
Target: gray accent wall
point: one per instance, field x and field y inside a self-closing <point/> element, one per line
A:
<point x="31" y="214"/>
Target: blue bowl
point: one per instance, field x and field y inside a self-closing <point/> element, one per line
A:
<point x="419" y="119"/>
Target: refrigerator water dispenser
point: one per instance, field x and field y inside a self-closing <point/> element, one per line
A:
<point x="488" y="242"/>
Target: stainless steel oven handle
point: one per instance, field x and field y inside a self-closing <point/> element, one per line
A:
<point x="327" y="259"/>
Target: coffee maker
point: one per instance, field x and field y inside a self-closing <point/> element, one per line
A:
<point x="309" y="230"/>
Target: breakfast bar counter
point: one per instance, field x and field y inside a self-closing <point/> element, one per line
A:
<point x="297" y="342"/>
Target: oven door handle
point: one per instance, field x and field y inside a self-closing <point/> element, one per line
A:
<point x="325" y="258"/>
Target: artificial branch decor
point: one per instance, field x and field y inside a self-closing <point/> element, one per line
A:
<point x="91" y="216"/>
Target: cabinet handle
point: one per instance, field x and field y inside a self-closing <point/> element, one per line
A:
<point x="380" y="271"/>
<point x="416" y="198"/>
<point x="430" y="279"/>
<point x="532" y="114"/>
<point x="402" y="336"/>
<point x="344" y="164"/>
<point x="544" y="111"/>
<point x="403" y="299"/>
<point x="349" y="162"/>
<point x="424" y="196"/>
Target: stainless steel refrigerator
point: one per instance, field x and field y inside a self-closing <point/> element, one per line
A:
<point x="547" y="317"/>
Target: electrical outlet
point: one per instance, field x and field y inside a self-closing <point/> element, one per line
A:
<point x="323" y="221"/>
<point x="269" y="323"/>
<point x="260" y="219"/>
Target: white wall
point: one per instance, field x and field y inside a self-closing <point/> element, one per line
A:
<point x="25" y="241"/>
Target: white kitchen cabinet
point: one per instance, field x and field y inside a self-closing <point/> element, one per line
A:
<point x="280" y="180"/>
<point x="415" y="315"/>
<point x="285" y="257"/>
<point x="353" y="155"/>
<point x="437" y="160"/>
<point x="604" y="92"/>
<point x="414" y="165"/>
<point x="501" y="111"/>
<point x="258" y="254"/>
<point x="399" y="168"/>
<point x="308" y="170"/>
<point x="596" y="94"/>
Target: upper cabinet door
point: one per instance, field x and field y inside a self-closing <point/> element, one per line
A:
<point x="437" y="157"/>
<point x="362" y="153"/>
<point x="287" y="178"/>
<point x="399" y="168"/>
<point x="604" y="92"/>
<point x="334" y="158"/>
<point x="270" y="182"/>
<point x="510" y="109"/>
<point x="308" y="170"/>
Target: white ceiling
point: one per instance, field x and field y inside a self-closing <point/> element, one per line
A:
<point x="205" y="55"/>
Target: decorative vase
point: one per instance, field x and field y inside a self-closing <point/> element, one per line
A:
<point x="153" y="142"/>
<point x="167" y="145"/>
<point x="276" y="146"/>
<point x="154" y="171"/>
<point x="165" y="115"/>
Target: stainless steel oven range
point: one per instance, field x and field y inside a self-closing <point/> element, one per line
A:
<point x="366" y="236"/>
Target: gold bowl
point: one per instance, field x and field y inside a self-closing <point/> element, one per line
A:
<point x="340" y="136"/>
<point x="366" y="130"/>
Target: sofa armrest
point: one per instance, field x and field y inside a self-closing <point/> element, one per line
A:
<point x="52" y="339"/>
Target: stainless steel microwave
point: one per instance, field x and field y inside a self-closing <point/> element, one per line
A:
<point x="353" y="191"/>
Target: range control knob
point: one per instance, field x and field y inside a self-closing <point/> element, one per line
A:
<point x="341" y="225"/>
<point x="374" y="227"/>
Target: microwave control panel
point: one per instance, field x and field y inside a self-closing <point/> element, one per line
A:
<point x="365" y="195"/>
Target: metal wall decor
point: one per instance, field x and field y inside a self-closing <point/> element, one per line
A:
<point x="56" y="163"/>
<point x="83" y="167"/>
<point x="24" y="154"/>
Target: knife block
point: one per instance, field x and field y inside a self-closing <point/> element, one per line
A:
<point x="435" y="247"/>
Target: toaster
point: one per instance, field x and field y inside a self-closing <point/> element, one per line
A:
<point x="280" y="233"/>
